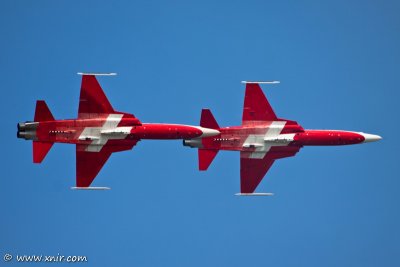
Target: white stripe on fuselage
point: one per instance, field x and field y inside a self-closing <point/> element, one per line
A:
<point x="100" y="135"/>
<point x="263" y="142"/>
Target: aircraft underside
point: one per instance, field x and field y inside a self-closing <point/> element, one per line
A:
<point x="100" y="131"/>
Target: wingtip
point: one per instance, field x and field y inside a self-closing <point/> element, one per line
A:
<point x="90" y="188"/>
<point x="98" y="73"/>
<point x="254" y="194"/>
<point x="260" y="82"/>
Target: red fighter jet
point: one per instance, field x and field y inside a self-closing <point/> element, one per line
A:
<point x="263" y="138"/>
<point x="98" y="131"/>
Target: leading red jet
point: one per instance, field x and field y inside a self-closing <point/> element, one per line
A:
<point x="98" y="131"/>
<point x="263" y="138"/>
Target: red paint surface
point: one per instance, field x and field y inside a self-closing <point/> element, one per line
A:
<point x="327" y="138"/>
<point x="256" y="157"/>
<point x="94" y="109"/>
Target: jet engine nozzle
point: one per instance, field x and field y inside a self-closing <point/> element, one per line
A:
<point x="28" y="125"/>
<point x="21" y="126"/>
<point x="193" y="143"/>
<point x="27" y="130"/>
<point x="27" y="135"/>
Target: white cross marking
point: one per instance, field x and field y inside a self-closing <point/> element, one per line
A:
<point x="98" y="138"/>
<point x="261" y="146"/>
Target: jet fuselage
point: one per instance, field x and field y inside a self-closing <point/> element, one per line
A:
<point x="264" y="138"/>
<point x="97" y="132"/>
<point x="84" y="131"/>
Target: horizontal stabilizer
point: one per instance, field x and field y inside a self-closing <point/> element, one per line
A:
<point x="42" y="112"/>
<point x="40" y="150"/>
<point x="206" y="156"/>
<point x="207" y="119"/>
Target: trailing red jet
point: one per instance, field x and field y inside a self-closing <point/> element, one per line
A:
<point x="263" y="138"/>
<point x="98" y="131"/>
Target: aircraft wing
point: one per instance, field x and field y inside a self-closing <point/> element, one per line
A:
<point x="89" y="164"/>
<point x="93" y="102"/>
<point x="256" y="106"/>
<point x="92" y="98"/>
<point x="253" y="170"/>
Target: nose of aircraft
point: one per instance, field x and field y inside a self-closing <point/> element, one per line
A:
<point x="370" y="137"/>
<point x="207" y="132"/>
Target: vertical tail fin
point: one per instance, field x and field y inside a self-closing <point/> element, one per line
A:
<point x="208" y="152"/>
<point x="40" y="149"/>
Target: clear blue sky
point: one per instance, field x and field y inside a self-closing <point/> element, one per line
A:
<point x="333" y="206"/>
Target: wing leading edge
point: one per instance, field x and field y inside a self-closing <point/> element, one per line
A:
<point x="92" y="99"/>
<point x="89" y="164"/>
<point x="256" y="106"/>
<point x="253" y="170"/>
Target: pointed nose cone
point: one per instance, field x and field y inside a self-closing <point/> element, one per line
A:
<point x="207" y="132"/>
<point x="370" y="137"/>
